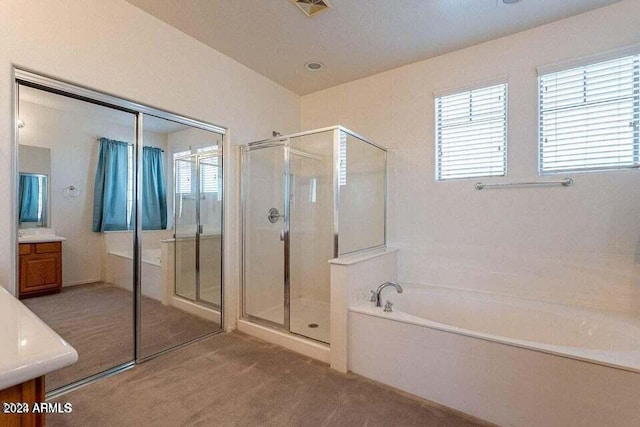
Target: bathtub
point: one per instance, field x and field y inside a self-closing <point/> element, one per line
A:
<point x="120" y="272"/>
<point x="505" y="360"/>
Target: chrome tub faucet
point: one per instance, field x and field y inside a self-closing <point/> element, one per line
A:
<point x="375" y="295"/>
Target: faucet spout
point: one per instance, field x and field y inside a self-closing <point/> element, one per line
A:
<point x="378" y="292"/>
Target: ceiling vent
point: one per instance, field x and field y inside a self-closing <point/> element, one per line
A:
<point x="312" y="7"/>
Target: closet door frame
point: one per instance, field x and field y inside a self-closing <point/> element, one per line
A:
<point x="61" y="87"/>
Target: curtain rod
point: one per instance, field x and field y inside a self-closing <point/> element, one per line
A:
<point x="130" y="144"/>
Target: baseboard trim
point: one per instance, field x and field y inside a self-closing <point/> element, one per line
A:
<point x="82" y="282"/>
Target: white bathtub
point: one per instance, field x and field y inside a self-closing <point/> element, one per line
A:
<point x="120" y="272"/>
<point x="508" y="361"/>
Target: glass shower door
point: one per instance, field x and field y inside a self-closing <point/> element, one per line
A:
<point x="209" y="166"/>
<point x="265" y="229"/>
<point x="186" y="223"/>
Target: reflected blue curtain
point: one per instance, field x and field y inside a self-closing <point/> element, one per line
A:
<point x="29" y="198"/>
<point x="110" y="189"/>
<point x="154" y="192"/>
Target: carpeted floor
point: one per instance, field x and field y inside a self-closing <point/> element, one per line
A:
<point x="97" y="320"/>
<point x="236" y="380"/>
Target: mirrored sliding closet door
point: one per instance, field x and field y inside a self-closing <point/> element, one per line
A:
<point x="182" y="240"/>
<point x="119" y="225"/>
<point x="75" y="235"/>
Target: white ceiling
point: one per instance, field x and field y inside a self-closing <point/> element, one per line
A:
<point x="355" y="38"/>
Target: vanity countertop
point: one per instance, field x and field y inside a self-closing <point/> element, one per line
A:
<point x="36" y="238"/>
<point x="28" y="347"/>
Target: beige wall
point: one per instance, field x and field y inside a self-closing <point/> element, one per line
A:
<point x="116" y="48"/>
<point x="571" y="245"/>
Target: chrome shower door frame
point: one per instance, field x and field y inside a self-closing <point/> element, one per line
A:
<point x="197" y="157"/>
<point x="286" y="184"/>
<point x="285" y="141"/>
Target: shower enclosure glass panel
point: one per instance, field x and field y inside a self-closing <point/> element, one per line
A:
<point x="185" y="221"/>
<point x="265" y="228"/>
<point x="198" y="227"/>
<point x="210" y="237"/>
<point x="311" y="233"/>
<point x="362" y="194"/>
<point x="306" y="199"/>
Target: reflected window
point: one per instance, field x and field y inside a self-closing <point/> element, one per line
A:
<point x="183" y="173"/>
<point x="343" y="159"/>
<point x="209" y="174"/>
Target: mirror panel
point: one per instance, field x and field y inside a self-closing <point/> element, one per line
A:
<point x="77" y="278"/>
<point x="181" y="247"/>
<point x="85" y="170"/>
<point x="33" y="200"/>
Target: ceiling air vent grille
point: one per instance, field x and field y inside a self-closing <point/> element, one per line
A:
<point x="312" y="7"/>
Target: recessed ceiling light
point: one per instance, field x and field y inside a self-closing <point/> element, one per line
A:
<point x="314" y="66"/>
<point x="510" y="2"/>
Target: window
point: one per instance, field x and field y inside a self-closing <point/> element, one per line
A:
<point x="209" y="171"/>
<point x="183" y="172"/>
<point x="343" y="159"/>
<point x="589" y="117"/>
<point x="471" y="133"/>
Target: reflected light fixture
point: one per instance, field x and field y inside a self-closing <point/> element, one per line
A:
<point x="20" y="124"/>
<point x="311" y="7"/>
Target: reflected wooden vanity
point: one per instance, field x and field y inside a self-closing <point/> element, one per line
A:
<point x="40" y="268"/>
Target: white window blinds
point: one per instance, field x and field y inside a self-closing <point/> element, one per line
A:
<point x="209" y="171"/>
<point x="471" y="133"/>
<point x="589" y="117"/>
<point x="343" y="159"/>
<point x="183" y="172"/>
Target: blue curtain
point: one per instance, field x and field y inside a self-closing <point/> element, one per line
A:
<point x="29" y="198"/>
<point x="154" y="193"/>
<point x="110" y="188"/>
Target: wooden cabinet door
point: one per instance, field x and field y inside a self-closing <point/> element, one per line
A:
<point x="29" y="392"/>
<point x="40" y="270"/>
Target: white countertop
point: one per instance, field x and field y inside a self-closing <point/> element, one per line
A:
<point x="40" y="239"/>
<point x="28" y="347"/>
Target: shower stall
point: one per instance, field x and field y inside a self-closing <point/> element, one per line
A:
<point x="198" y="225"/>
<point x="306" y="198"/>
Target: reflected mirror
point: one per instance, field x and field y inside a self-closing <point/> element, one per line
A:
<point x="33" y="199"/>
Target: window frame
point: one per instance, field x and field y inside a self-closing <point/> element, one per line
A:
<point x="478" y="86"/>
<point x="582" y="64"/>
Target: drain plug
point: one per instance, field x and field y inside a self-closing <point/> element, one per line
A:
<point x="313" y="325"/>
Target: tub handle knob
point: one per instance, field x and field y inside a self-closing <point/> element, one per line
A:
<point x="374" y="296"/>
<point x="388" y="307"/>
